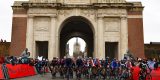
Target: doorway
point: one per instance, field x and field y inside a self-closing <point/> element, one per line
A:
<point x="42" y="48"/>
<point x="111" y="50"/>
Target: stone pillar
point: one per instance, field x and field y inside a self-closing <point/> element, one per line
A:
<point x="124" y="37"/>
<point x="57" y="46"/>
<point x="100" y="43"/>
<point x="29" y="36"/>
<point x="52" y="41"/>
<point x="95" y="46"/>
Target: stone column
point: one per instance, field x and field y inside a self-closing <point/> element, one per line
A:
<point x="57" y="46"/>
<point x="95" y="46"/>
<point x="100" y="35"/>
<point x="52" y="41"/>
<point x="124" y="37"/>
<point x="29" y="36"/>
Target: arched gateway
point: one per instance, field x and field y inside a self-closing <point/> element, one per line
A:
<point x="109" y="27"/>
<point x="76" y="26"/>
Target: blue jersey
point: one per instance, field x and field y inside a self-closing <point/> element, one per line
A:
<point x="68" y="62"/>
<point x="79" y="62"/>
<point x="114" y="64"/>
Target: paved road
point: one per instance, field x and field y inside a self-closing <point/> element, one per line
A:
<point x="36" y="77"/>
<point x="46" y="76"/>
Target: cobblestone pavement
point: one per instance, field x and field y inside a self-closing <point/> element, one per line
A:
<point x="46" y="76"/>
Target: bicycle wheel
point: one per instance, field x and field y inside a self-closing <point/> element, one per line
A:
<point x="67" y="74"/>
<point x="148" y="77"/>
<point x="131" y="76"/>
<point x="121" y="78"/>
<point x="141" y="77"/>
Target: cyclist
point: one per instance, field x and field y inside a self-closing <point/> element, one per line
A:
<point x="79" y="62"/>
<point x="97" y="63"/>
<point x="144" y="66"/>
<point x="54" y="62"/>
<point x="106" y="62"/>
<point x="68" y="64"/>
<point x="144" y="70"/>
<point x="114" y="64"/>
<point x="115" y="68"/>
<point x="125" y="69"/>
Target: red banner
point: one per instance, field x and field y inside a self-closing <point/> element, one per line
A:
<point x="136" y="72"/>
<point x="20" y="70"/>
<point x="155" y="73"/>
<point x="1" y="73"/>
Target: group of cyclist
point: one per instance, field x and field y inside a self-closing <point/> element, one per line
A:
<point x="94" y="67"/>
<point x="91" y="67"/>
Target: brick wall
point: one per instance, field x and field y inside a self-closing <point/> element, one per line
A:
<point x="4" y="48"/>
<point x="135" y="34"/>
<point x="18" y="39"/>
<point x="152" y="50"/>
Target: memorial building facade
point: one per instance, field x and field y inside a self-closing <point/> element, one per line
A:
<point x="109" y="27"/>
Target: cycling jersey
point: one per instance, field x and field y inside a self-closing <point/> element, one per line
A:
<point x="68" y="62"/>
<point x="79" y="62"/>
<point x="114" y="64"/>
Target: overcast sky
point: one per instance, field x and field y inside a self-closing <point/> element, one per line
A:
<point x="151" y="18"/>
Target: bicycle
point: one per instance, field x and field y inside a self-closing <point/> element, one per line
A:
<point x="115" y="74"/>
<point x="108" y="73"/>
<point x="68" y="72"/>
<point x="126" y="74"/>
<point x="78" y="73"/>
<point x="144" y="75"/>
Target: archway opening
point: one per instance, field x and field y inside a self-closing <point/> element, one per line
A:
<point x="76" y="47"/>
<point x="76" y="27"/>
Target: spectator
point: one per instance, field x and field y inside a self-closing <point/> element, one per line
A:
<point x="155" y="64"/>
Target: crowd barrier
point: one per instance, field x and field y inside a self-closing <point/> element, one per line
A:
<point x="9" y="71"/>
<point x="1" y="73"/>
<point x="20" y="70"/>
<point x="135" y="72"/>
<point x="155" y="73"/>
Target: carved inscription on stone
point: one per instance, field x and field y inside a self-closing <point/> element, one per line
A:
<point x="88" y="12"/>
<point x="112" y="24"/>
<point x="64" y="12"/>
<point x="76" y="1"/>
<point x="111" y="12"/>
<point x="111" y="1"/>
<point x="41" y="28"/>
<point x="41" y="11"/>
<point x="42" y="1"/>
<point x="41" y="23"/>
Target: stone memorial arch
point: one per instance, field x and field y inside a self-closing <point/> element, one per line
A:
<point x="76" y="26"/>
<point x="109" y="27"/>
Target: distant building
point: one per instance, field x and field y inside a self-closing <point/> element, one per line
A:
<point x="152" y="50"/>
<point x="67" y="49"/>
<point x="4" y="48"/>
<point x="76" y="49"/>
<point x="85" y="52"/>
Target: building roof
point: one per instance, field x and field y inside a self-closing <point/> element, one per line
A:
<point x="154" y="42"/>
